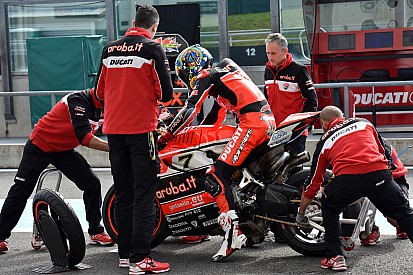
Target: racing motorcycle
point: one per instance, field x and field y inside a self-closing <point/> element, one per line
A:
<point x="266" y="197"/>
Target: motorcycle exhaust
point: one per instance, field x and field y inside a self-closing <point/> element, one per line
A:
<point x="273" y="170"/>
<point x="295" y="161"/>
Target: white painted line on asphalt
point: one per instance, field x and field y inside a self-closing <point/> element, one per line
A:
<point x="25" y="223"/>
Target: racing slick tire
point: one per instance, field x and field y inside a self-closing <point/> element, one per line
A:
<point x="63" y="215"/>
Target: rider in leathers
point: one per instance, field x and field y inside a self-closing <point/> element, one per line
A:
<point x="234" y="90"/>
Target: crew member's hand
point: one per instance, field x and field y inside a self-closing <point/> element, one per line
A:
<point x="163" y="139"/>
<point x="393" y="167"/>
<point x="301" y="219"/>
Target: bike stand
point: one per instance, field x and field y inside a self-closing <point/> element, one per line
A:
<point x="54" y="243"/>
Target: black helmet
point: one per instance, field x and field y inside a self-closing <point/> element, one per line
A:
<point x="190" y="62"/>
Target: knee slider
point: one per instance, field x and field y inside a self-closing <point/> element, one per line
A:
<point x="212" y="187"/>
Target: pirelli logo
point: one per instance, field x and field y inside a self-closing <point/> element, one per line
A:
<point x="125" y="61"/>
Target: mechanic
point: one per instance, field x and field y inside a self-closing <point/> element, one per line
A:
<point x="71" y="122"/>
<point x="288" y="86"/>
<point x="133" y="77"/>
<point x="360" y="163"/>
<point x="234" y="91"/>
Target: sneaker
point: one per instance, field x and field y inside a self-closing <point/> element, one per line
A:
<point x="123" y="262"/>
<point x="195" y="239"/>
<point x="234" y="240"/>
<point x="372" y="239"/>
<point x="4" y="246"/>
<point x="400" y="234"/>
<point x="102" y="239"/>
<point x="337" y="263"/>
<point x="147" y="266"/>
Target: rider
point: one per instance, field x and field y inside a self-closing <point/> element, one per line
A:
<point x="235" y="91"/>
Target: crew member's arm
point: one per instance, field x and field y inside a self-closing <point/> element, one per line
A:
<point x="315" y="178"/>
<point x="307" y="90"/>
<point x="163" y="82"/>
<point x="100" y="79"/>
<point x="98" y="144"/>
<point x="79" y="111"/>
<point x="193" y="104"/>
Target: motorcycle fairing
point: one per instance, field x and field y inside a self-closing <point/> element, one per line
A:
<point x="292" y="127"/>
<point x="187" y="207"/>
<point x="188" y="150"/>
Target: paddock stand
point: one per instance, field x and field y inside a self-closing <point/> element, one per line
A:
<point x="58" y="228"/>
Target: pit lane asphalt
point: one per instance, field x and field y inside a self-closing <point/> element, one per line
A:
<point x="391" y="256"/>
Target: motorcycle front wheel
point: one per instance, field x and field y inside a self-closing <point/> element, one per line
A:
<point x="160" y="232"/>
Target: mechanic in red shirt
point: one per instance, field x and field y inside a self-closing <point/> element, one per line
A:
<point x="133" y="77"/>
<point x="71" y="122"/>
<point x="228" y="84"/>
<point x="356" y="153"/>
<point x="288" y="85"/>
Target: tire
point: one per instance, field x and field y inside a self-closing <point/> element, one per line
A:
<point x="298" y="179"/>
<point x="160" y="233"/>
<point x="306" y="241"/>
<point x="65" y="218"/>
<point x="310" y="241"/>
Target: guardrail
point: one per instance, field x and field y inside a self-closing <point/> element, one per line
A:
<point x="345" y="85"/>
<point x="235" y="36"/>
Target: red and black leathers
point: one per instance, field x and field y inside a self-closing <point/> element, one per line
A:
<point x="72" y="121"/>
<point x="134" y="75"/>
<point x="350" y="146"/>
<point x="234" y="90"/>
<point x="289" y="89"/>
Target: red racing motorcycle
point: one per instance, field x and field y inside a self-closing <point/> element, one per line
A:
<point x="267" y="198"/>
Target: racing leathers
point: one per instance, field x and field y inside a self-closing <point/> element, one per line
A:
<point x="360" y="164"/>
<point x="289" y="89"/>
<point x="232" y="89"/>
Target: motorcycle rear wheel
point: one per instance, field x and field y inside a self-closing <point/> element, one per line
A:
<point x="160" y="232"/>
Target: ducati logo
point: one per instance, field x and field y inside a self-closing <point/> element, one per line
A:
<point x="194" y="223"/>
<point x="285" y="86"/>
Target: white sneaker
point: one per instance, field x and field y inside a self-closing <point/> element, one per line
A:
<point x="123" y="263"/>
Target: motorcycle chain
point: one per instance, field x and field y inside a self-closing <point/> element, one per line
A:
<point x="280" y="221"/>
<point x="285" y="222"/>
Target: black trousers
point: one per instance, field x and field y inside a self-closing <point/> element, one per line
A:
<point x="135" y="168"/>
<point x="379" y="187"/>
<point x="73" y="165"/>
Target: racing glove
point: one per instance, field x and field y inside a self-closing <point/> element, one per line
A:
<point x="301" y="219"/>
<point x="163" y="139"/>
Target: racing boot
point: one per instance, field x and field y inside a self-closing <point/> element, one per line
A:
<point x="233" y="239"/>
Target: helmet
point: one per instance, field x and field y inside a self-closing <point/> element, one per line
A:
<point x="190" y="62"/>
